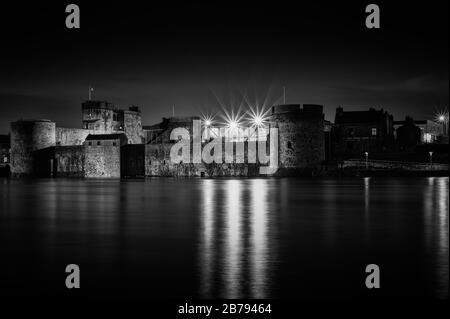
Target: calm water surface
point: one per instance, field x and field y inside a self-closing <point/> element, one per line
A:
<point x="225" y="238"/>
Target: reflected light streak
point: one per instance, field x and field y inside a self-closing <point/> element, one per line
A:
<point x="259" y="245"/>
<point x="233" y="242"/>
<point x="442" y="233"/>
<point x="207" y="224"/>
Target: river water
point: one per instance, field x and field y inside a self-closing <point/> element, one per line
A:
<point x="225" y="238"/>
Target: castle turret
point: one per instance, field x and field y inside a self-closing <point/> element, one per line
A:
<point x="28" y="137"/>
<point x="301" y="136"/>
<point x="103" y="117"/>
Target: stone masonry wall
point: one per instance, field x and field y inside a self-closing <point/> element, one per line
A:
<point x="102" y="161"/>
<point x="301" y="140"/>
<point x="133" y="127"/>
<point x="26" y="138"/>
<point x="158" y="163"/>
<point x="69" y="161"/>
<point x="71" y="136"/>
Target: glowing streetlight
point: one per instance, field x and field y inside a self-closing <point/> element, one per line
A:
<point x="208" y="123"/>
<point x="442" y="117"/>
<point x="233" y="124"/>
<point x="258" y="121"/>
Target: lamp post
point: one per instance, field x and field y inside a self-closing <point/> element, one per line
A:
<point x="367" y="159"/>
<point x="443" y="118"/>
<point x="431" y="158"/>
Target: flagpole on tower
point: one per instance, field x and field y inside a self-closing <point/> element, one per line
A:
<point x="284" y="95"/>
<point x="91" y="89"/>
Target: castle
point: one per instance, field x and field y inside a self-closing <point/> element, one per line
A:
<point x="113" y="143"/>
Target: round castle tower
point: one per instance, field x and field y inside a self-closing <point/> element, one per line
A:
<point x="27" y="137"/>
<point x="301" y="136"/>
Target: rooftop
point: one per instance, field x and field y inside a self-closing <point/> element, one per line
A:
<point x="96" y="137"/>
<point x="349" y="117"/>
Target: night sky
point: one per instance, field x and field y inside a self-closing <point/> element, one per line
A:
<point x="193" y="55"/>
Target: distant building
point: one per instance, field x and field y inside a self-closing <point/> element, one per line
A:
<point x="430" y="131"/>
<point x="5" y="149"/>
<point x="357" y="132"/>
<point x="408" y="136"/>
<point x="328" y="140"/>
<point x="5" y="146"/>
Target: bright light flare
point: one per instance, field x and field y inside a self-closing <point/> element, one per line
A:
<point x="258" y="118"/>
<point x="233" y="124"/>
<point x="207" y="120"/>
<point x="441" y="117"/>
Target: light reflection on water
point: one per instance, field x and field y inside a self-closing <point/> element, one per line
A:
<point x="230" y="238"/>
<point x="436" y="210"/>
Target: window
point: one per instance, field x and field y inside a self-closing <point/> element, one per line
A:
<point x="114" y="144"/>
<point x="289" y="145"/>
<point x="351" y="131"/>
<point x="374" y="131"/>
<point x="90" y="143"/>
<point x="98" y="142"/>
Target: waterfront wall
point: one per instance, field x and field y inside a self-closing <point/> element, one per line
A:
<point x="301" y="136"/>
<point x="102" y="161"/>
<point x="158" y="163"/>
<point x="394" y="165"/>
<point x="27" y="137"/>
<point x="69" y="161"/>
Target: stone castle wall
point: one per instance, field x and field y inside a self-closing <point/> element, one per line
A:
<point x="133" y="127"/>
<point x="72" y="136"/>
<point x="102" y="161"/>
<point x="158" y="163"/>
<point x="28" y="137"/>
<point x="69" y="161"/>
<point x="301" y="137"/>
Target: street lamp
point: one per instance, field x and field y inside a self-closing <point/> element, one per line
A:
<point x="258" y="121"/>
<point x="367" y="159"/>
<point x="431" y="157"/>
<point x="233" y="124"/>
<point x="442" y="118"/>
